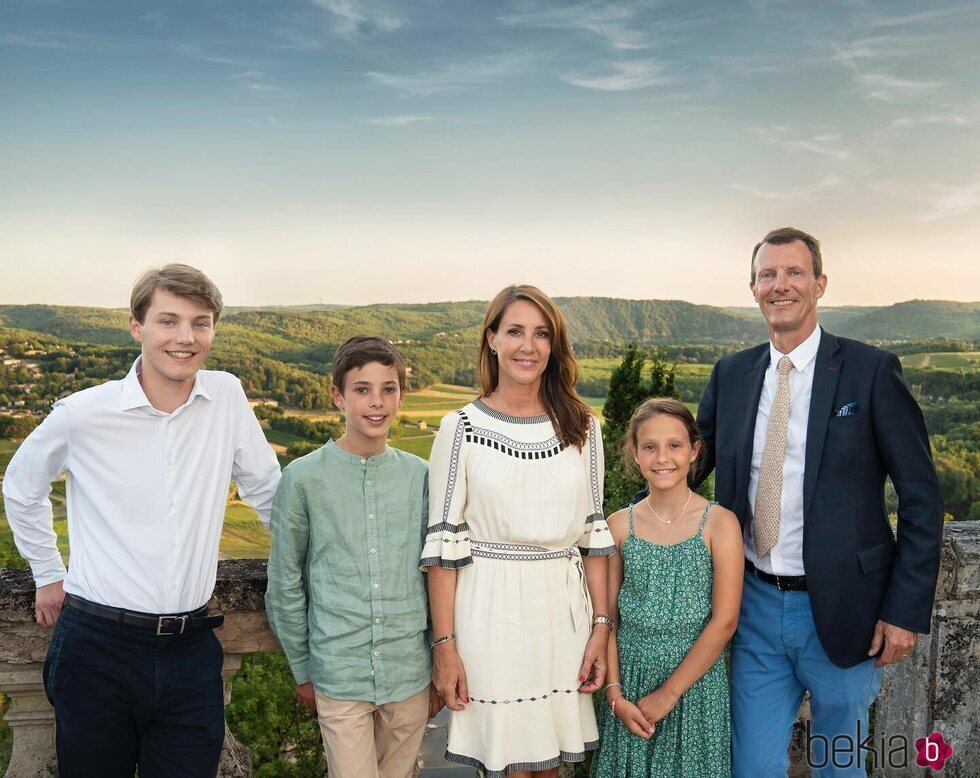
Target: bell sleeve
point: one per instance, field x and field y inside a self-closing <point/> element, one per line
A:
<point x="447" y="540"/>
<point x="596" y="540"/>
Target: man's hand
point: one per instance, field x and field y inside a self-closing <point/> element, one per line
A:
<point x="306" y="696"/>
<point x="47" y="603"/>
<point x="898" y="643"/>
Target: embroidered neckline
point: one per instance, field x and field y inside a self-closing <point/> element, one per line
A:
<point x="507" y="417"/>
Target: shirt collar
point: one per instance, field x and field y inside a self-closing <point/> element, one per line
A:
<point x="803" y="355"/>
<point x="333" y="449"/>
<point x="133" y="395"/>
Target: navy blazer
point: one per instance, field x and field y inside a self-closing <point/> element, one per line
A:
<point x="856" y="571"/>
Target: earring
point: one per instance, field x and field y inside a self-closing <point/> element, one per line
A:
<point x="493" y="351"/>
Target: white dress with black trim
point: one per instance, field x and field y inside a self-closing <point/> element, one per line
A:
<point x="514" y="511"/>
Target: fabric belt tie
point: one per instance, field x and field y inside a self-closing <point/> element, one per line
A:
<point x="163" y="625"/>
<point x="578" y="592"/>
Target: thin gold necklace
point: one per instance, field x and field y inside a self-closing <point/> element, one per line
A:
<point x="690" y="494"/>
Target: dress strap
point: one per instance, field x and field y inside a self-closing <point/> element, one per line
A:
<point x="705" y="514"/>
<point x="631" y="518"/>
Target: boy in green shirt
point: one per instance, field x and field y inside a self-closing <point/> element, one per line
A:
<point x="345" y="595"/>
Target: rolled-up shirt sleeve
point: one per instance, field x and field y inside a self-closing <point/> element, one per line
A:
<point x="41" y="459"/>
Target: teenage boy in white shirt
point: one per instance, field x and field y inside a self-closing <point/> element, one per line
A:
<point x="133" y="669"/>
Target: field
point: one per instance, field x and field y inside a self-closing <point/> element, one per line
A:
<point x="942" y="359"/>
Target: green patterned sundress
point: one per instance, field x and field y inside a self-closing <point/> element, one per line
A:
<point x="664" y="604"/>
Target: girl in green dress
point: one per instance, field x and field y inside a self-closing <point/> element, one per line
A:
<point x="674" y="592"/>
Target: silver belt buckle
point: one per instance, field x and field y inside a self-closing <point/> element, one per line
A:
<point x="160" y="625"/>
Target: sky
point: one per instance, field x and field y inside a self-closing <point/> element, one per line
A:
<point x="345" y="151"/>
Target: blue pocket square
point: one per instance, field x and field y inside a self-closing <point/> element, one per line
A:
<point x="847" y="410"/>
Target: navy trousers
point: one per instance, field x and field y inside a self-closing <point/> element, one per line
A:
<point x="125" y="698"/>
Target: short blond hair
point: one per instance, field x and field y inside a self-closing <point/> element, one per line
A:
<point x="181" y="280"/>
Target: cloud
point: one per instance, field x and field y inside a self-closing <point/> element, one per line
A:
<point x="399" y="121"/>
<point x="930" y="120"/>
<point x="885" y="86"/>
<point x="634" y="74"/>
<point x="825" y="143"/>
<point x="349" y="17"/>
<point x="922" y="18"/>
<point x="454" y="77"/>
<point x="41" y="39"/>
<point x="947" y="201"/>
<point x="614" y="23"/>
<point x="254" y="81"/>
<point x="792" y="195"/>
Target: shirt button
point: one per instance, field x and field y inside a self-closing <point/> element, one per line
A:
<point x="370" y="515"/>
<point x="377" y="621"/>
<point x="375" y="586"/>
<point x="369" y="483"/>
<point x="374" y="551"/>
<point x="363" y="461"/>
<point x="376" y="653"/>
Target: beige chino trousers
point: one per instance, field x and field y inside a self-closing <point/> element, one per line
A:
<point x="364" y="740"/>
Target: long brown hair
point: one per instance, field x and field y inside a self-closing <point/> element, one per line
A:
<point x="557" y="393"/>
<point x="664" y="406"/>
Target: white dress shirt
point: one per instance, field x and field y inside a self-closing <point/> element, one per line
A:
<point x="786" y="557"/>
<point x="146" y="490"/>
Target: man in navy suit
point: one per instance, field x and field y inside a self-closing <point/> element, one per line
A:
<point x="830" y="594"/>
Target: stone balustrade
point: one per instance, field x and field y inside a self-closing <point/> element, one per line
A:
<point x="935" y="691"/>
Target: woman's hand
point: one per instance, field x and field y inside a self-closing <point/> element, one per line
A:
<point x="633" y="718"/>
<point x="657" y="704"/>
<point x="448" y="675"/>
<point x="436" y="703"/>
<point x="592" y="674"/>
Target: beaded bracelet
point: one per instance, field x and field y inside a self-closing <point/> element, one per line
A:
<point x="440" y="641"/>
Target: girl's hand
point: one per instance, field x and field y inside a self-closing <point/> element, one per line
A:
<point x="592" y="674"/>
<point x="657" y="704"/>
<point x="448" y="675"/>
<point x="633" y="719"/>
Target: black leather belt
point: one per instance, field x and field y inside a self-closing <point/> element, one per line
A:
<point x="785" y="583"/>
<point x="167" y="624"/>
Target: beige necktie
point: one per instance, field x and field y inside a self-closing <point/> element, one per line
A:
<point x="770" y="492"/>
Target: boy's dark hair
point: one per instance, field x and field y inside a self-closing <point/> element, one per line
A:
<point x="181" y="280"/>
<point x="360" y="350"/>
<point x="664" y="406"/>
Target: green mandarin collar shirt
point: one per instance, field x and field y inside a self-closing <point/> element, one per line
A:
<point x="345" y="595"/>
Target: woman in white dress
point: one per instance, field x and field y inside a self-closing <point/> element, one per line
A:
<point x="516" y="551"/>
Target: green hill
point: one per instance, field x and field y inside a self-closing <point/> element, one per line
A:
<point x="915" y="320"/>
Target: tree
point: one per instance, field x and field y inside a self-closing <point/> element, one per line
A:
<point x="627" y="390"/>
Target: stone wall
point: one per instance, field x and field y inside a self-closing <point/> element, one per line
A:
<point x="936" y="690"/>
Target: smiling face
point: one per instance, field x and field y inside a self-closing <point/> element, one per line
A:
<point x="663" y="452"/>
<point x="523" y="345"/>
<point x="787" y="291"/>
<point x="176" y="335"/>
<point x="370" y="401"/>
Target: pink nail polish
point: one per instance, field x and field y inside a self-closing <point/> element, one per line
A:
<point x="581" y="679"/>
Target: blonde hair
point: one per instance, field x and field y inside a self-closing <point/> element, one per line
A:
<point x="568" y="413"/>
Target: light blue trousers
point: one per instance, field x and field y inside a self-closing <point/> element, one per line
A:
<point x="776" y="657"/>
